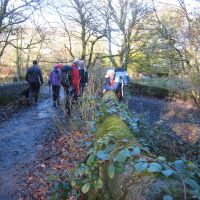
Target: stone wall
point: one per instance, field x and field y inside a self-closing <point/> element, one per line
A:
<point x="11" y="92"/>
<point x="126" y="184"/>
<point x="160" y="93"/>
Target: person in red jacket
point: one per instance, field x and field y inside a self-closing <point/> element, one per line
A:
<point x="75" y="78"/>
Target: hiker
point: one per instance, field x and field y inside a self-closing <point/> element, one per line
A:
<point x="35" y="79"/>
<point x="59" y="65"/>
<point x="66" y="82"/>
<point x="75" y="78"/>
<point x="83" y="75"/>
<point x="111" y="83"/>
<point x="55" y="82"/>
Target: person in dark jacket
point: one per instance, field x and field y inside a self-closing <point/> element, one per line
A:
<point x="111" y="83"/>
<point x="83" y="76"/>
<point x="55" y="82"/>
<point x="35" y="79"/>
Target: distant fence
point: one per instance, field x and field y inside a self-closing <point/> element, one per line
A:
<point x="10" y="92"/>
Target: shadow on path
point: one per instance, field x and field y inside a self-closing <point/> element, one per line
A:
<point x="20" y="139"/>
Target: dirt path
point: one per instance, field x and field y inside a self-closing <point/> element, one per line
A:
<point x="20" y="139"/>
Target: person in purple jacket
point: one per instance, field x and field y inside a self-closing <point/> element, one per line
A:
<point x="55" y="82"/>
<point x="35" y="79"/>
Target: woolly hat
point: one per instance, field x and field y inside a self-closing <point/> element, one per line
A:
<point x="75" y="61"/>
<point x="110" y="72"/>
<point x="82" y="63"/>
<point x="59" y="65"/>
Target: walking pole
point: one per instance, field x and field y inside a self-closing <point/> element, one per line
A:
<point x="122" y="88"/>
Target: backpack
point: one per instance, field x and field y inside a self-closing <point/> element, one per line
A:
<point x="66" y="76"/>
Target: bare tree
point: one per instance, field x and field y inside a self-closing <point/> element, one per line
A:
<point x="129" y="17"/>
<point x="185" y="41"/>
<point x="12" y="14"/>
<point x="81" y="22"/>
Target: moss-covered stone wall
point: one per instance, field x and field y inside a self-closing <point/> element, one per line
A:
<point x="129" y="184"/>
<point x="10" y="92"/>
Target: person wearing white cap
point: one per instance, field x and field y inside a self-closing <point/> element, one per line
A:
<point x="111" y="83"/>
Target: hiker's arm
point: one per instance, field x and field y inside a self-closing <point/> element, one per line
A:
<point x="49" y="81"/>
<point x="41" y="78"/>
<point x="86" y="77"/>
<point x="27" y="75"/>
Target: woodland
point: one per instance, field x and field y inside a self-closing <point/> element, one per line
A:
<point x="141" y="148"/>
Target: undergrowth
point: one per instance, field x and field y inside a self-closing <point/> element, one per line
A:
<point x="107" y="150"/>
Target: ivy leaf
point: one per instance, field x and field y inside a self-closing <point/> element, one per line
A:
<point x="154" y="167"/>
<point x="193" y="184"/>
<point x="142" y="160"/>
<point x="180" y="165"/>
<point x="161" y="158"/>
<point x="90" y="160"/>
<point x="119" y="167"/>
<point x="53" y="196"/>
<point x="111" y="171"/>
<point x="167" y="197"/>
<point x="168" y="172"/>
<point x="106" y="140"/>
<point x="122" y="156"/>
<point x="141" y="166"/>
<point x="136" y="151"/>
<point x="99" y="183"/>
<point x="111" y="110"/>
<point x="101" y="155"/>
<point x="85" y="188"/>
<point x="109" y="148"/>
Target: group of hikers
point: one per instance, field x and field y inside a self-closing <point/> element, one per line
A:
<point x="73" y="78"/>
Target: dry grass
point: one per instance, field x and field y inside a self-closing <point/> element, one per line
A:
<point x="83" y="110"/>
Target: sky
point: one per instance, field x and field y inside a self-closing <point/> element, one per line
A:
<point x="48" y="16"/>
<point x="189" y="3"/>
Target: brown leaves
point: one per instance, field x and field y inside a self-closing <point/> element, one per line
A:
<point x="58" y="157"/>
<point x="187" y="131"/>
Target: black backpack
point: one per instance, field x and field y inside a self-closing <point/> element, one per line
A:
<point x="66" y="76"/>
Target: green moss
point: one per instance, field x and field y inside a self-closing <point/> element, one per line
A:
<point x="114" y="124"/>
<point x="6" y="99"/>
<point x="110" y="95"/>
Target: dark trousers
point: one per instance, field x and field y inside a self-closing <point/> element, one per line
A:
<point x="82" y="86"/>
<point x="56" y="90"/>
<point x="35" y="89"/>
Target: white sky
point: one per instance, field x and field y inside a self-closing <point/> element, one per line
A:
<point x="189" y="3"/>
<point x="48" y="15"/>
